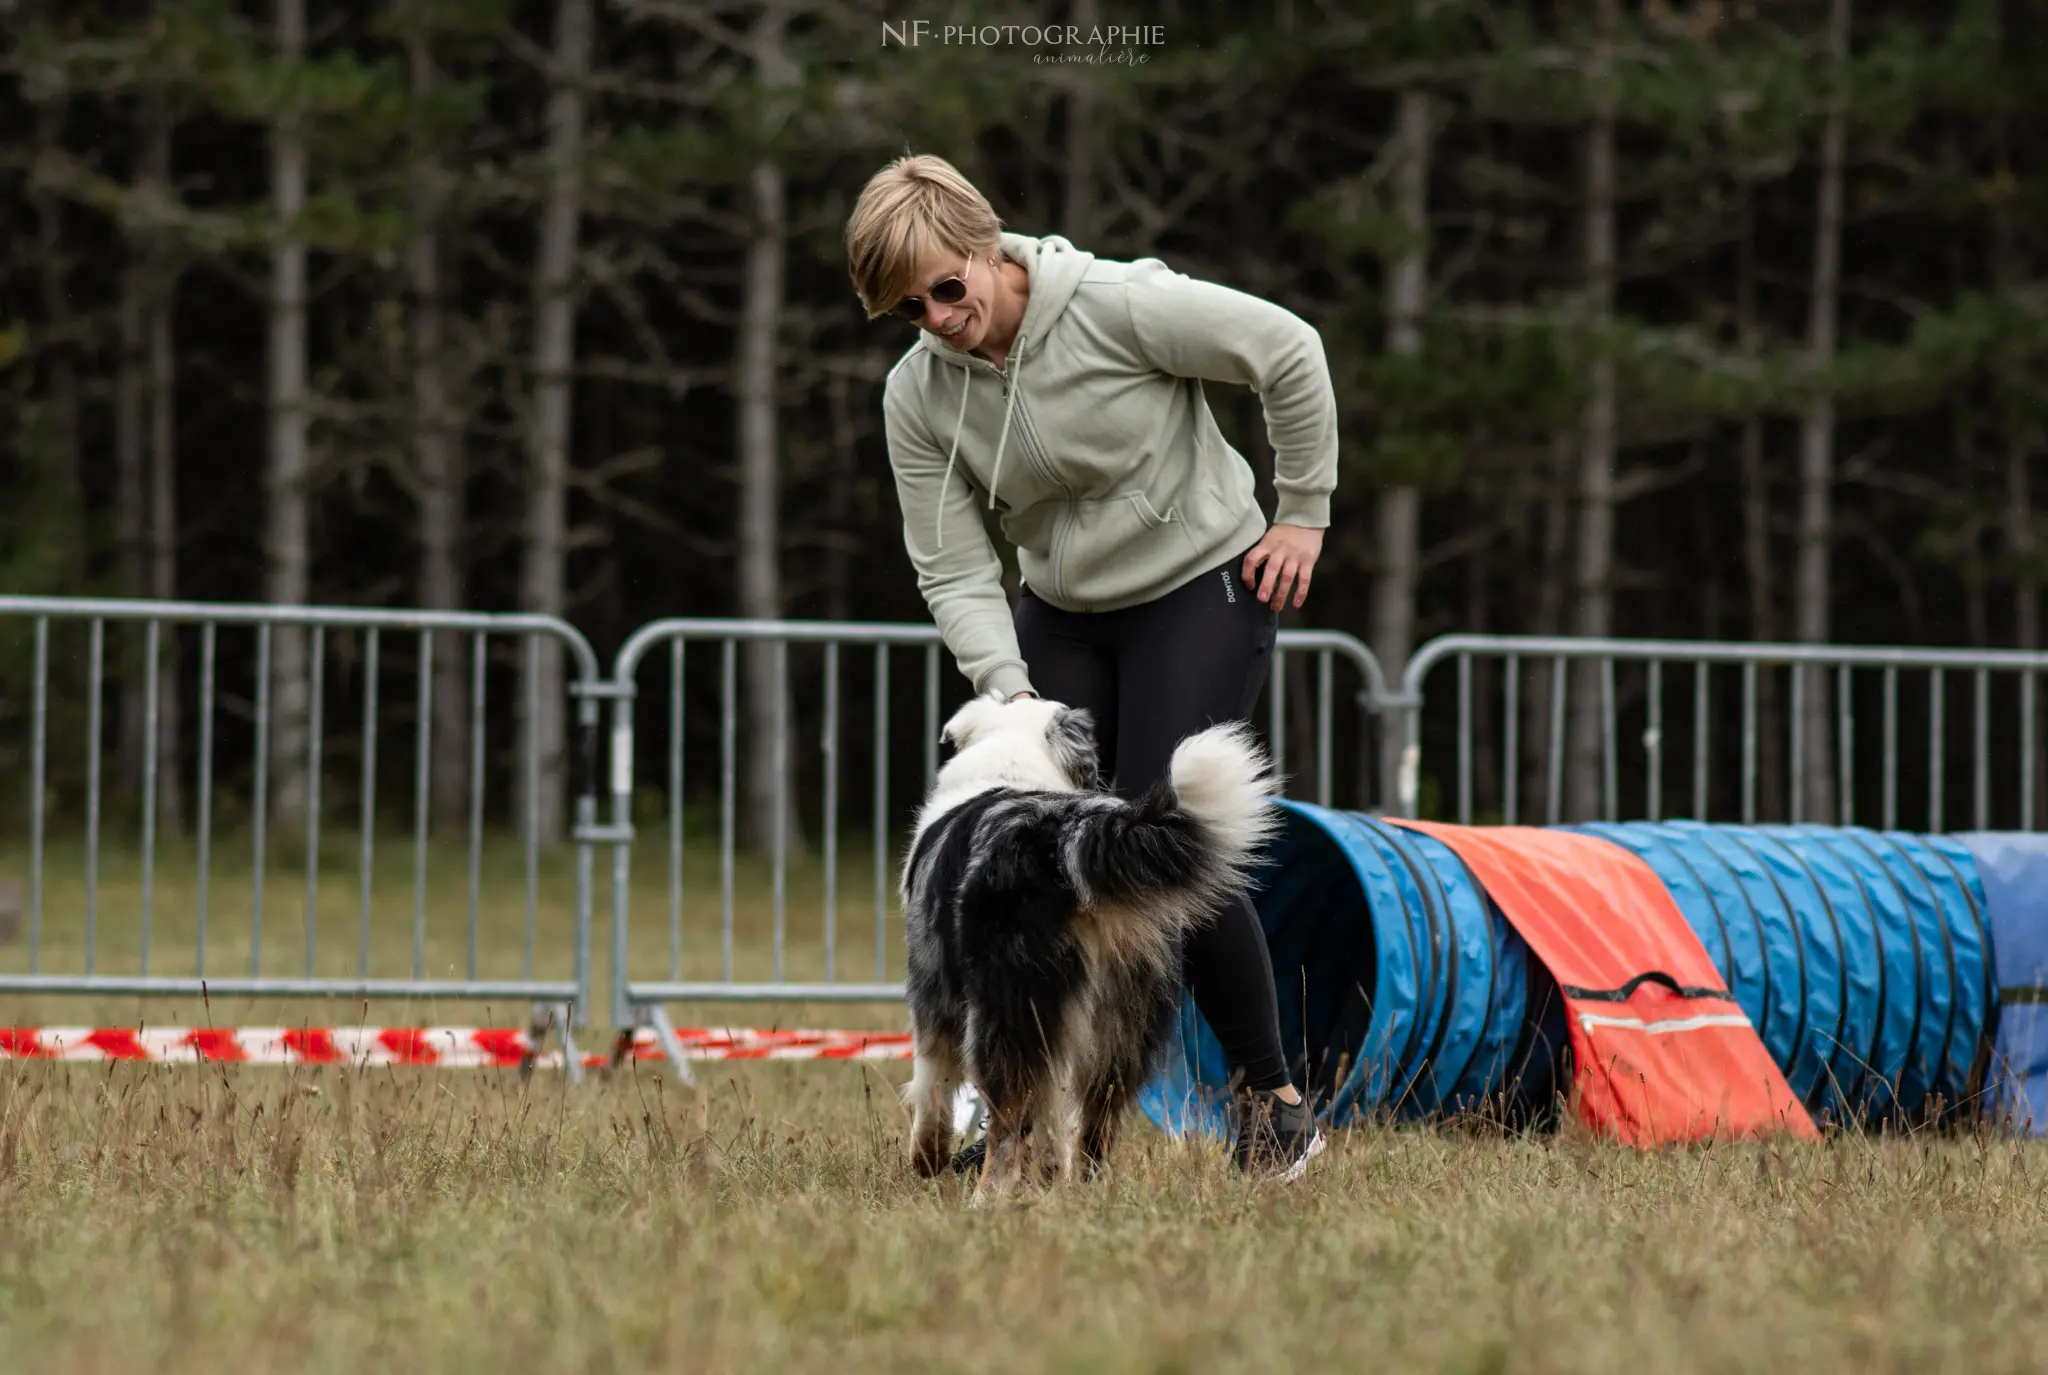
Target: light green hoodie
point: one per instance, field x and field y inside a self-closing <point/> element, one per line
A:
<point x="1096" y="445"/>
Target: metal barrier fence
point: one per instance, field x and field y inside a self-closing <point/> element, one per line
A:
<point x="303" y="690"/>
<point x="797" y="853"/>
<point x="743" y="957"/>
<point x="1820" y="724"/>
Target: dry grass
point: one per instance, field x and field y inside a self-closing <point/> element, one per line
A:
<point x="173" y="1218"/>
<point x="168" y="1219"/>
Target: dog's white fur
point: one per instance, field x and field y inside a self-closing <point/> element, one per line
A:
<point x="997" y="744"/>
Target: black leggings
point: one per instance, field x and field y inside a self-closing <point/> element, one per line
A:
<point x="1152" y="675"/>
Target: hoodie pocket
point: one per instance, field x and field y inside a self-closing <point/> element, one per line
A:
<point x="1118" y="545"/>
<point x="1150" y="517"/>
<point x="1153" y="520"/>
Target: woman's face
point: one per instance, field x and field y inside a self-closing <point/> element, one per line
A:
<point x="964" y="323"/>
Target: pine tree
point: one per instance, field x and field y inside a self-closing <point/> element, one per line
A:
<point x="443" y="114"/>
<point x="544" y="577"/>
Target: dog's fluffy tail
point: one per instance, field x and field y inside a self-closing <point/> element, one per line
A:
<point x="1195" y="834"/>
<point x="1221" y="779"/>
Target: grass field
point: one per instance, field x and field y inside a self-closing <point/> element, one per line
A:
<point x="174" y="1218"/>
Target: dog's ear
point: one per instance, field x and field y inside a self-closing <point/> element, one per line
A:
<point x="1071" y="734"/>
<point x="971" y="720"/>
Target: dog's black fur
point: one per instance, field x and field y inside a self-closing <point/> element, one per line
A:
<point x="1045" y="920"/>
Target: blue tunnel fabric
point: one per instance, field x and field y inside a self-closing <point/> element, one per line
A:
<point x="2013" y="870"/>
<point x="1952" y="872"/>
<point x="1864" y="959"/>
<point x="1402" y="988"/>
<point x="1815" y="927"/>
<point x="1952" y="955"/>
<point x="1911" y="1044"/>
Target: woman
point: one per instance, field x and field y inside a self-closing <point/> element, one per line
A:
<point x="1065" y="390"/>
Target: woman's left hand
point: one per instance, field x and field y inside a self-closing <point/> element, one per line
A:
<point x="1288" y="554"/>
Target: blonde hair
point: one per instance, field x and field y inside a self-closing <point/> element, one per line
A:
<point x="915" y="205"/>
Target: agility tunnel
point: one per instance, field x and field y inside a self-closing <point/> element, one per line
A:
<point x="1802" y="974"/>
<point x="2013" y="870"/>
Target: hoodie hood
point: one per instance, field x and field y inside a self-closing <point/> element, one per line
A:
<point x="1056" y="268"/>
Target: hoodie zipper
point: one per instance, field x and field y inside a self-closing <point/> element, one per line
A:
<point x="1027" y="440"/>
<point x="1028" y="434"/>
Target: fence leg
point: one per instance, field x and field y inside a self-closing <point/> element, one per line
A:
<point x="572" y="1056"/>
<point x="562" y="1015"/>
<point x="671" y="1044"/>
<point x="1403" y="722"/>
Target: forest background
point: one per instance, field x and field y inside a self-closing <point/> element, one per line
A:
<point x="1707" y="320"/>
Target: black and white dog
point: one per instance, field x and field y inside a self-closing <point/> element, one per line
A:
<point x="1046" y="916"/>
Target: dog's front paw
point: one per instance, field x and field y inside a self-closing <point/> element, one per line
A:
<point x="931" y="1156"/>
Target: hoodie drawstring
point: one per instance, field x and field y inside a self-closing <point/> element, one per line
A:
<point x="960" y="420"/>
<point x="1003" y="439"/>
<point x="1002" y="442"/>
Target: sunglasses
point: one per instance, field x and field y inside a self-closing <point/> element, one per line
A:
<point x="950" y="292"/>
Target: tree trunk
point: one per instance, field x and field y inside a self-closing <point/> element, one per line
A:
<point x="2024" y="550"/>
<point x="760" y="534"/>
<point x="61" y="323"/>
<point x="1486" y="741"/>
<point x="437" y="463"/>
<point x="1398" y="536"/>
<point x="1083" y="173"/>
<point x="2020" y="540"/>
<point x="2022" y="441"/>
<point x="163" y="472"/>
<point x="2022" y="544"/>
<point x="845" y="471"/>
<point x="1976" y="603"/>
<point x="130" y="485"/>
<point x="1302" y="725"/>
<point x="1756" y="539"/>
<point x="1816" y="448"/>
<point x="1763" y="620"/>
<point x="286" y="557"/>
<point x="1593" y="568"/>
<point x="545" y="579"/>
<point x="1549" y="620"/>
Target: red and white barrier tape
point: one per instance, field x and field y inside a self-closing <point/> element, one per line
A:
<point x="442" y="1047"/>
<point x="743" y="1043"/>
